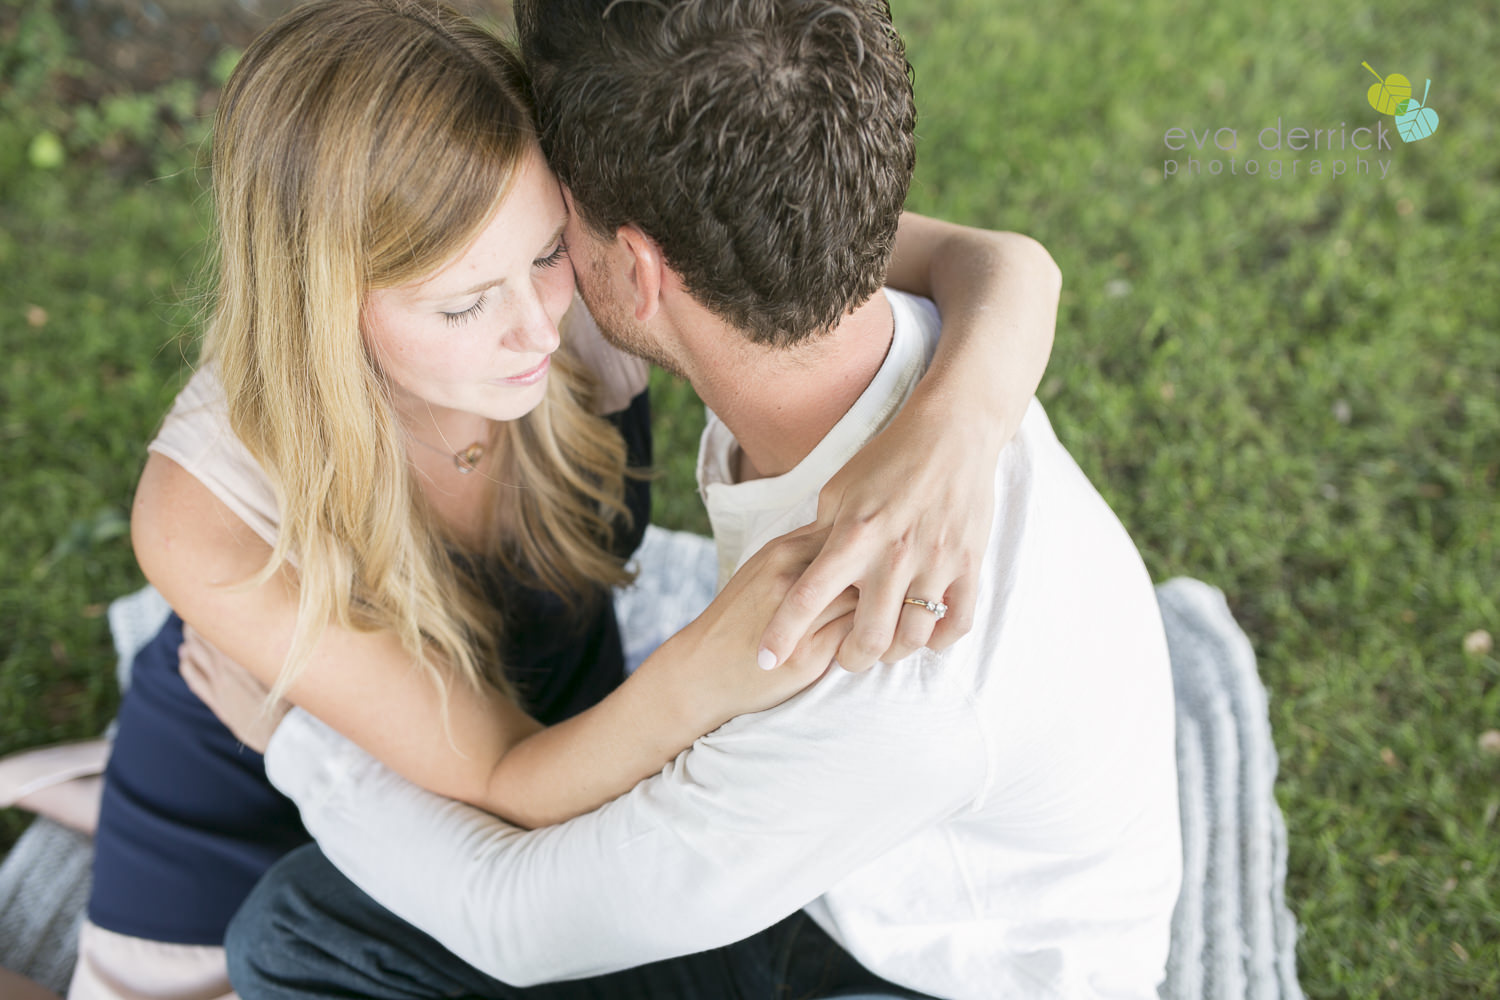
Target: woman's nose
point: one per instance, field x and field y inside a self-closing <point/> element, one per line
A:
<point x="535" y="331"/>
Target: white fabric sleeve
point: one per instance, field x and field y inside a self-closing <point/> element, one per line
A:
<point x="749" y="825"/>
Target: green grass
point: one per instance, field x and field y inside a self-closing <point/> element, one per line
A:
<point x="1286" y="387"/>
<point x="95" y="257"/>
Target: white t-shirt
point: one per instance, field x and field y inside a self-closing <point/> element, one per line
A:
<point x="998" y="820"/>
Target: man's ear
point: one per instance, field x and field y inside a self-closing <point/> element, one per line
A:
<point x="645" y="269"/>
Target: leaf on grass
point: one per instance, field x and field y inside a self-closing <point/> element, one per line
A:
<point x="46" y="151"/>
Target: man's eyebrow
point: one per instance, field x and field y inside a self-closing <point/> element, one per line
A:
<point x="556" y="235"/>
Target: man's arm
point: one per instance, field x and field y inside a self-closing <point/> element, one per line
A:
<point x="752" y="823"/>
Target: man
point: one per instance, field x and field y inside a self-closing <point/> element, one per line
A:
<point x="997" y="820"/>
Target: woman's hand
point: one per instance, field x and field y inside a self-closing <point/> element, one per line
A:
<point x="237" y="698"/>
<point x="910" y="515"/>
<point x="722" y="643"/>
<point x="692" y="684"/>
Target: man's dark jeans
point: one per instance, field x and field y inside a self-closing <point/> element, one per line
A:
<point x="308" y="932"/>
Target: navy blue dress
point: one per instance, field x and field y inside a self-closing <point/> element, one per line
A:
<point x="189" y="822"/>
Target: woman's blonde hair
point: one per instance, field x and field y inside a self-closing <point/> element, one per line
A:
<point x="362" y="144"/>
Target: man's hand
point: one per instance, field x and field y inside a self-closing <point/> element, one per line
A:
<point x="909" y="516"/>
<point x="237" y="698"/>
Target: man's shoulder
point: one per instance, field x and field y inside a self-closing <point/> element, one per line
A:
<point x="1062" y="578"/>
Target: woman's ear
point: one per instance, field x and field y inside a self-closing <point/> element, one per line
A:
<point x="645" y="270"/>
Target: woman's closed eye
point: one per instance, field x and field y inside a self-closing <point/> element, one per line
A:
<point x="463" y="316"/>
<point x="556" y="257"/>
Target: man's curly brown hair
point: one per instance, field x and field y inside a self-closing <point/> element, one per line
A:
<point x="765" y="145"/>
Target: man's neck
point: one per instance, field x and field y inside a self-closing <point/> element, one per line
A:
<point x="779" y="404"/>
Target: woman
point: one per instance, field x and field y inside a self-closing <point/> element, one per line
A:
<point x="386" y="494"/>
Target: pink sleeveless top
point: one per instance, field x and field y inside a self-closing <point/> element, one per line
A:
<point x="196" y="435"/>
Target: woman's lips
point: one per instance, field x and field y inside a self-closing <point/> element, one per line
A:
<point x="530" y="377"/>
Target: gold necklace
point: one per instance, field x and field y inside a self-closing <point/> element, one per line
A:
<point x="465" y="460"/>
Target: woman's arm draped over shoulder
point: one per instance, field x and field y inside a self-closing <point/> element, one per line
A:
<point x="910" y="515"/>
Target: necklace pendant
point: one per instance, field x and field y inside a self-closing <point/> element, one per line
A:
<point x="466" y="461"/>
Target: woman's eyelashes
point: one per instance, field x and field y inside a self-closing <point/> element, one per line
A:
<point x="455" y="318"/>
<point x="554" y="258"/>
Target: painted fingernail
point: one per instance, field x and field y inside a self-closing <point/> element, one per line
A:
<point x="765" y="659"/>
